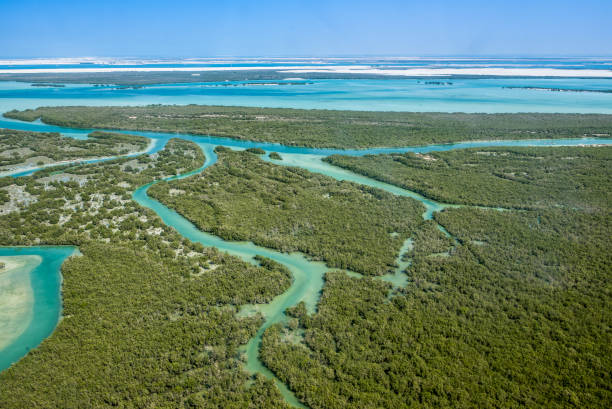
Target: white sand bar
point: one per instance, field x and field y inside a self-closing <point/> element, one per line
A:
<point x="437" y="72"/>
<point x="340" y="69"/>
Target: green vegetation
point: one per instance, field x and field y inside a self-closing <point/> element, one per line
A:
<point x="138" y="333"/>
<point x="149" y="317"/>
<point x="19" y="148"/>
<point x="511" y="314"/>
<point x="110" y="79"/>
<point x="520" y="178"/>
<point x="515" y="316"/>
<point x="256" y="151"/>
<point x="242" y="197"/>
<point x="42" y="84"/>
<point x="322" y="128"/>
<point x="275" y="156"/>
<point x="604" y="91"/>
<point x="513" y="309"/>
<point x="4" y="197"/>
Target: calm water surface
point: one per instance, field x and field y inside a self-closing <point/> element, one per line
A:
<point x="464" y="95"/>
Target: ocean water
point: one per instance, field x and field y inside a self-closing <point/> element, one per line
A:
<point x="490" y="95"/>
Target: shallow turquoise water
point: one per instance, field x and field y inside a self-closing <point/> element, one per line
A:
<point x="45" y="280"/>
<point x="465" y="95"/>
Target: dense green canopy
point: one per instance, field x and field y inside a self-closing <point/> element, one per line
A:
<point x="322" y="128"/>
<point x="242" y="197"/>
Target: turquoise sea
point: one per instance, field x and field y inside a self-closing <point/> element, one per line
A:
<point x="464" y="95"/>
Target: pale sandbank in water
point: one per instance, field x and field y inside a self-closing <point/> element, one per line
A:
<point x="16" y="296"/>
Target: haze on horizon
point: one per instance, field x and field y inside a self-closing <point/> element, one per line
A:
<point x="68" y="28"/>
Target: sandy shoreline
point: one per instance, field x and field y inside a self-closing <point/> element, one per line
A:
<point x="11" y="263"/>
<point x="339" y="69"/>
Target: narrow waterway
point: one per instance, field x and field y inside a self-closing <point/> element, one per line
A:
<point x="307" y="275"/>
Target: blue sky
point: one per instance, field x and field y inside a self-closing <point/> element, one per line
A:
<point x="308" y="28"/>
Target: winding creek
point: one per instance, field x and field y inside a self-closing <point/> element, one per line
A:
<point x="307" y="275"/>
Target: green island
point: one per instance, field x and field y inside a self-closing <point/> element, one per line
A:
<point x="322" y="128"/>
<point x="275" y="156"/>
<point x="140" y="79"/>
<point x="505" y="303"/>
<point x="22" y="149"/>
